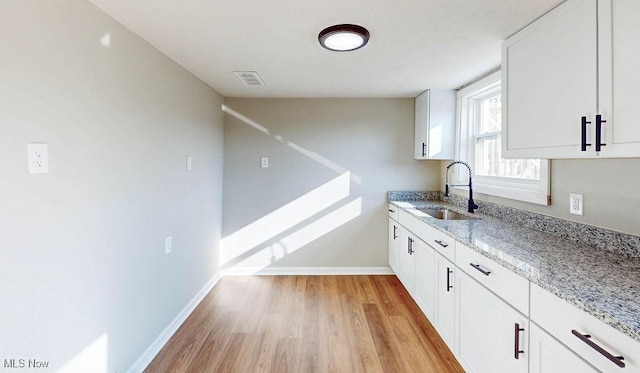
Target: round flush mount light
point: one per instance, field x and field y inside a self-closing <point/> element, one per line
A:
<point x="344" y="38"/>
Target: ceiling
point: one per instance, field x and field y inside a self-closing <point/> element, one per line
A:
<point x="415" y="44"/>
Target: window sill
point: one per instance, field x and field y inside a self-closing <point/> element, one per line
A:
<point x="523" y="195"/>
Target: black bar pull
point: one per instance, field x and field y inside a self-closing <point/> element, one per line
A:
<point x="424" y="149"/>
<point x="441" y="243"/>
<point x="483" y="271"/>
<point x="392" y="210"/>
<point x="449" y="272"/>
<point x="410" y="250"/>
<point x="516" y="345"/>
<point x="599" y="143"/>
<point x="584" y="134"/>
<point x="395" y="232"/>
<point x="617" y="360"/>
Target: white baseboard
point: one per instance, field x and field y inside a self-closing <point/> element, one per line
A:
<point x="273" y="271"/>
<point x="155" y="347"/>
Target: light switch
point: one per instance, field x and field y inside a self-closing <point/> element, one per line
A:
<point x="189" y="162"/>
<point x="264" y="162"/>
<point x="38" y="158"/>
<point x="167" y="245"/>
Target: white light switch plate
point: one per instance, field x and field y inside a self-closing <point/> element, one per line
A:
<point x="167" y="245"/>
<point x="38" y="158"/>
<point x="264" y="162"/>
<point x="189" y="163"/>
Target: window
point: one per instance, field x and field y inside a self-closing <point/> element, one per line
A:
<point x="479" y="123"/>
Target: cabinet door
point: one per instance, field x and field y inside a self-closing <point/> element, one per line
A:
<point x="394" y="246"/>
<point x="426" y="279"/>
<point x="549" y="81"/>
<point x="550" y="356"/>
<point x="445" y="323"/>
<point x="435" y="124"/>
<point x="407" y="261"/>
<point x="421" y="122"/>
<point x="492" y="336"/>
<point x="622" y="130"/>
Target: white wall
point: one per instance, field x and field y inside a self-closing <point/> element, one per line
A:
<point x="322" y="201"/>
<point x="84" y="274"/>
<point x="610" y="188"/>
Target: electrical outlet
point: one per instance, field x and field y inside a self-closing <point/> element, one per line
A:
<point x="576" y="202"/>
<point x="167" y="245"/>
<point x="264" y="162"/>
<point x="38" y="158"/>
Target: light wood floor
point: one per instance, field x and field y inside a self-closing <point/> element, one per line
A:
<point x="306" y="324"/>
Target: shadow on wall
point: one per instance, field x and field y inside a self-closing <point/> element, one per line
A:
<point x="296" y="224"/>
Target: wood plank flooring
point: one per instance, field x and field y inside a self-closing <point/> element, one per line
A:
<point x="306" y="324"/>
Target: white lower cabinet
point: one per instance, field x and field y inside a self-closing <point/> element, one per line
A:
<point x="446" y="302"/>
<point x="394" y="246"/>
<point x="602" y="346"/>
<point x="407" y="272"/>
<point x="547" y="355"/>
<point x="492" y="335"/>
<point x="425" y="294"/>
<point x="495" y="321"/>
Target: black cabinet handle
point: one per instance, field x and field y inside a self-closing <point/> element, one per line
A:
<point x="483" y="271"/>
<point x="424" y="152"/>
<point x="410" y="249"/>
<point x="617" y="360"/>
<point x="599" y="143"/>
<point x="516" y="345"/>
<point x="449" y="272"/>
<point x="584" y="134"/>
<point x="441" y="243"/>
<point x="395" y="232"/>
<point x="392" y="210"/>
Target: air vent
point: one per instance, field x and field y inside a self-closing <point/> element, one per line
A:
<point x="249" y="78"/>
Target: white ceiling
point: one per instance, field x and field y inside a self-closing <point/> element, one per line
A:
<point x="415" y="44"/>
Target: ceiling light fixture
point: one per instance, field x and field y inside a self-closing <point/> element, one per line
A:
<point x="343" y="38"/>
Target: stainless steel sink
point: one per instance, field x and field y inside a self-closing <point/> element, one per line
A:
<point x="445" y="214"/>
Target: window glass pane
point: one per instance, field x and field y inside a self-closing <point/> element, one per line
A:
<point x="490" y="163"/>
<point x="490" y="114"/>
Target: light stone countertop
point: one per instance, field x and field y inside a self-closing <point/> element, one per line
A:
<point x="605" y="284"/>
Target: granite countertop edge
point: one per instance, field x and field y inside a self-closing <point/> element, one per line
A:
<point x="516" y="264"/>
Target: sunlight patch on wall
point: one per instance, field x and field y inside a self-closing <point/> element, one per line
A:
<point x="313" y="155"/>
<point x="303" y="236"/>
<point x="287" y="216"/>
<point x="324" y="161"/>
<point x="94" y="358"/>
<point x="243" y="118"/>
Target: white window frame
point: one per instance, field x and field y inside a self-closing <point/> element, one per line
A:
<point x="533" y="191"/>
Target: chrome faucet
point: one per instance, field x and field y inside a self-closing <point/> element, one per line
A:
<point x="471" y="205"/>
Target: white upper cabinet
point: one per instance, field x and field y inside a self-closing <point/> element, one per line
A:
<point x="435" y="124"/>
<point x="624" y="132"/>
<point x="558" y="80"/>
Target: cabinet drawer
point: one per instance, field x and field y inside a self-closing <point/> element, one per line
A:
<point x="444" y="244"/>
<point x="393" y="211"/>
<point x="560" y="318"/>
<point x="506" y="284"/>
